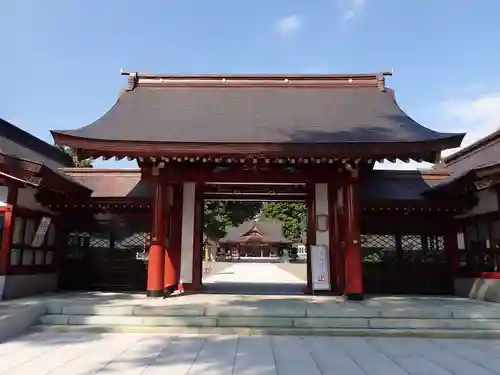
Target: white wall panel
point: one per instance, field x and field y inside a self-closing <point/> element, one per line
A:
<point x="321" y="208"/>
<point x="187" y="241"/>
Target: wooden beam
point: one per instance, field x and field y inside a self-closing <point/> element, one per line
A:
<point x="255" y="198"/>
<point x="205" y="173"/>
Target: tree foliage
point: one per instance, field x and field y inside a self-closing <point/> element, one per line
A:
<point x="293" y="216"/>
<point x="85" y="163"/>
<point x="219" y="215"/>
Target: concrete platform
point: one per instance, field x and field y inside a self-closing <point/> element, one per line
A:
<point x="266" y="313"/>
<point x="18" y="316"/>
<point x="252" y="314"/>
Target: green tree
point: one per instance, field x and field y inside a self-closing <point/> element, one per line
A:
<point x="293" y="216"/>
<point x="219" y="215"/>
<point x="85" y="163"/>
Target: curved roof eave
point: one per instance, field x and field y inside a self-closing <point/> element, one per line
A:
<point x="382" y="122"/>
<point x="145" y="148"/>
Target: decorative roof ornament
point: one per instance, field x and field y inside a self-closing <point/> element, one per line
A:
<point x="132" y="81"/>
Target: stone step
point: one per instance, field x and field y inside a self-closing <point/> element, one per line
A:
<point x="166" y="320"/>
<point x="272" y="310"/>
<point x="371" y="332"/>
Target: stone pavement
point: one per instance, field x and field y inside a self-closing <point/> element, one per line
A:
<point x="134" y="354"/>
<point x="264" y="273"/>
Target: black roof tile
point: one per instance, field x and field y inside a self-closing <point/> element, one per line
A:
<point x="259" y="114"/>
<point x="21" y="144"/>
<point x="385" y="185"/>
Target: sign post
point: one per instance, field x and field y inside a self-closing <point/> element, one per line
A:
<point x="320" y="267"/>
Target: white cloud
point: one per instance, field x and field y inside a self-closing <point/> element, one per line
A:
<point x="351" y="8"/>
<point x="477" y="115"/>
<point x="288" y="25"/>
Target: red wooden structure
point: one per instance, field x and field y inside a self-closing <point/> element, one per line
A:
<point x="320" y="135"/>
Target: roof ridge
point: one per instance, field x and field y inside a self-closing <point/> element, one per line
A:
<point x="373" y="75"/>
<point x="136" y="79"/>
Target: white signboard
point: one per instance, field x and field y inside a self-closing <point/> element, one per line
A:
<point x="460" y="241"/>
<point x="320" y="268"/>
<point x="41" y="231"/>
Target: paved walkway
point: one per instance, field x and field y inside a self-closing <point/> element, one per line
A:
<point x="134" y="354"/>
<point x="252" y="278"/>
<point x="263" y="273"/>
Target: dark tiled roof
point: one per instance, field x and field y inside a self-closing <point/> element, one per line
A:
<point x="22" y="145"/>
<point x="271" y="232"/>
<point x="381" y="185"/>
<point x="463" y="178"/>
<point x="266" y="110"/>
<point x="482" y="153"/>
<point x="112" y="183"/>
<point x="463" y="164"/>
<point x="21" y="151"/>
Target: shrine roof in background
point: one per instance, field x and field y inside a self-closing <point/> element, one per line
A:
<point x="33" y="162"/>
<point x="20" y="144"/>
<point x="378" y="185"/>
<point x="260" y="231"/>
<point x="476" y="163"/>
<point x="384" y="185"/>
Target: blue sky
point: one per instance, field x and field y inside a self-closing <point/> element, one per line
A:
<point x="61" y="59"/>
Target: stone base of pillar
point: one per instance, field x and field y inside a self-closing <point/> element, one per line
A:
<point x="189" y="287"/>
<point x="155" y="293"/>
<point x="354" y="296"/>
<point x="170" y="290"/>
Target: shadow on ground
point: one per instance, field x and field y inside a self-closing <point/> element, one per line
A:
<point x="254" y="288"/>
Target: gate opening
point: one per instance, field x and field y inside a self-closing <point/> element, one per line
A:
<point x="262" y="250"/>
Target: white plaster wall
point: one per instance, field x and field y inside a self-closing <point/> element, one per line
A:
<point x="16" y="286"/>
<point x="321" y="208"/>
<point x="488" y="202"/>
<point x="26" y="198"/>
<point x="187" y="239"/>
<point x="4" y="191"/>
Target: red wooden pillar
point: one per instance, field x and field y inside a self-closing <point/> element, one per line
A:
<point x="156" y="262"/>
<point x="169" y="273"/>
<point x="353" y="254"/>
<point x="8" y="229"/>
<point x="173" y="254"/>
<point x="311" y="233"/>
